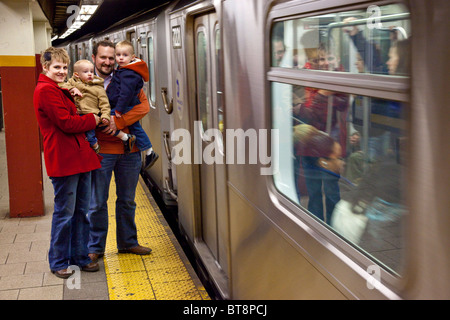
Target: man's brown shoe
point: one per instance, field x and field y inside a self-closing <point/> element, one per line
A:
<point x="63" y="273"/>
<point x="140" y="250"/>
<point x="95" y="256"/>
<point x="91" y="267"/>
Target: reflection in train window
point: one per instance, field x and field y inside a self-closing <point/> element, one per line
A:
<point x="341" y="153"/>
<point x="352" y="41"/>
<point x="151" y="60"/>
<point x="350" y="175"/>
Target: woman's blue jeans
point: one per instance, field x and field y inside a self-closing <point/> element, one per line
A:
<point x="320" y="183"/>
<point x="126" y="169"/>
<point x="70" y="226"/>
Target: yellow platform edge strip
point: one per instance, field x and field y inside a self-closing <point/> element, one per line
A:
<point x="162" y="275"/>
<point x="17" y="61"/>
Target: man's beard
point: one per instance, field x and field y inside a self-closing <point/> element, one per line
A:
<point x="103" y="73"/>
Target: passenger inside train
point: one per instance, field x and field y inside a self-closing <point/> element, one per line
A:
<point x="314" y="111"/>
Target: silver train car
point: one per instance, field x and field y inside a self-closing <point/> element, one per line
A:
<point x="233" y="88"/>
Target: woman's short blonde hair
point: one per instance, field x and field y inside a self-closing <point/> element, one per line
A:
<point x="51" y="54"/>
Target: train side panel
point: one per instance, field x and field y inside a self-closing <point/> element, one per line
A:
<point x="158" y="123"/>
<point x="213" y="63"/>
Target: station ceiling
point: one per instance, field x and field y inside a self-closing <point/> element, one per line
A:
<point x="108" y="13"/>
<point x="56" y="13"/>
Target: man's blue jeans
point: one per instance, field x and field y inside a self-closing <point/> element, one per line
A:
<point x="70" y="226"/>
<point x="126" y="169"/>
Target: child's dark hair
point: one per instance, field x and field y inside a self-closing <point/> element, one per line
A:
<point x="103" y="43"/>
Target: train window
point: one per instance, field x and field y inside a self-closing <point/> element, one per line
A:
<point x="77" y="55"/>
<point x="83" y="51"/>
<point x="346" y="166"/>
<point x="151" y="61"/>
<point x="342" y="152"/>
<point x="356" y="41"/>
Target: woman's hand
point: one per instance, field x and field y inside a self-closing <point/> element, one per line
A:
<point x="351" y="30"/>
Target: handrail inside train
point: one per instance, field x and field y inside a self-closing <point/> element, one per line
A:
<point x="391" y="17"/>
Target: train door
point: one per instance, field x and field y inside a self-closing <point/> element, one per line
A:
<point x="210" y="126"/>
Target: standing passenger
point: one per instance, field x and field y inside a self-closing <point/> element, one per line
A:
<point x="126" y="167"/>
<point x="69" y="161"/>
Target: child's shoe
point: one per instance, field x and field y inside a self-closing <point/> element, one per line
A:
<point x="150" y="160"/>
<point x="129" y="143"/>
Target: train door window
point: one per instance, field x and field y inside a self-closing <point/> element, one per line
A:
<point x="219" y="84"/>
<point x="204" y="107"/>
<point x="342" y="156"/>
<point x="131" y="36"/>
<point x="151" y="67"/>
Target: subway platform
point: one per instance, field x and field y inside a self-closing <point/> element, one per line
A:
<point x="165" y="274"/>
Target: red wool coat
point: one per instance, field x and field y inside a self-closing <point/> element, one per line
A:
<point x="66" y="150"/>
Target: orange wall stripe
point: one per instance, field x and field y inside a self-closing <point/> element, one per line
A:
<point x="17" y="61"/>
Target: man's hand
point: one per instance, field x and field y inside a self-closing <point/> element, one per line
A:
<point x="111" y="128"/>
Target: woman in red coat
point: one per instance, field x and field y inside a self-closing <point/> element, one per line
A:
<point x="69" y="161"/>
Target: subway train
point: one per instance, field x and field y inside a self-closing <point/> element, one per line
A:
<point x="245" y="96"/>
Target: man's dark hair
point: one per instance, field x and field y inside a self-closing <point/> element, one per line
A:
<point x="103" y="43"/>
